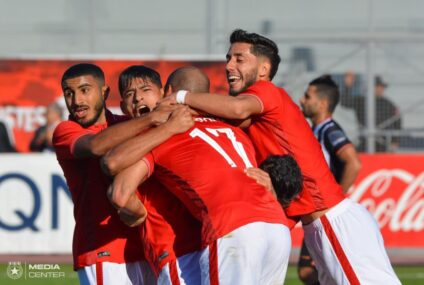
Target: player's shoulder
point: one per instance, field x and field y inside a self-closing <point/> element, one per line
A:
<point x="333" y="126"/>
<point x="65" y="126"/>
<point x="335" y="134"/>
<point x="260" y="86"/>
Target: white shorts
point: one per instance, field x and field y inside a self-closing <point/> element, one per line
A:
<point x="347" y="247"/>
<point x="256" y="253"/>
<point x="185" y="271"/>
<point x="109" y="273"/>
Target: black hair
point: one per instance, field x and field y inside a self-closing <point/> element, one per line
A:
<point x="327" y="88"/>
<point x="286" y="177"/>
<point x="261" y="46"/>
<point x="82" y="69"/>
<point x="138" y="71"/>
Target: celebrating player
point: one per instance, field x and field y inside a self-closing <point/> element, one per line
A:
<point x="204" y="168"/>
<point x="105" y="251"/>
<point x="331" y="223"/>
<point x="169" y="230"/>
<point x="318" y="104"/>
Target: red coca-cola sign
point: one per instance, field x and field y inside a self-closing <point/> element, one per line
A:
<point x="391" y="187"/>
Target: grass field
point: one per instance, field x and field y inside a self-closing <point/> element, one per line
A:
<point x="409" y="275"/>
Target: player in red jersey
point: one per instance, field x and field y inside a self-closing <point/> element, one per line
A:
<point x="243" y="227"/>
<point x="277" y="126"/>
<point x="169" y="231"/>
<point x="105" y="251"/>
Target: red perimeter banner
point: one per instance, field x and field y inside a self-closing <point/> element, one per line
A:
<point x="391" y="187"/>
<point x="28" y="86"/>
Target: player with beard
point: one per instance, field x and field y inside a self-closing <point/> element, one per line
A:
<point x="331" y="222"/>
<point x="105" y="251"/>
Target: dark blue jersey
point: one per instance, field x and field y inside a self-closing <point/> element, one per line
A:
<point x="332" y="139"/>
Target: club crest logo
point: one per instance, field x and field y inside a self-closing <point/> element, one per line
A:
<point x="14" y="270"/>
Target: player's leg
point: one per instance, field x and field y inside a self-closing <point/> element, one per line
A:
<point x="346" y="244"/>
<point x="105" y="273"/>
<point x="306" y="269"/>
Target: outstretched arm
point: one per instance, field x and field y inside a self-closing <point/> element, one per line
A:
<point x="224" y="106"/>
<point x="98" y="144"/>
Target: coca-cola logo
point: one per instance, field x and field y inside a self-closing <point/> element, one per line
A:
<point x="395" y="197"/>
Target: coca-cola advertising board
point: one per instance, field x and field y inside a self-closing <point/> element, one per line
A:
<point x="391" y="187"/>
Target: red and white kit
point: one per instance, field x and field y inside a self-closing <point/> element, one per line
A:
<point x="204" y="168"/>
<point x="281" y="129"/>
<point x="105" y="250"/>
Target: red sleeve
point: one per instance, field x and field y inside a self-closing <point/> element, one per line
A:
<point x="65" y="136"/>
<point x="265" y="92"/>
<point x="148" y="159"/>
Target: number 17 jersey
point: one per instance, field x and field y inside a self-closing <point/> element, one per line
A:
<point x="204" y="168"/>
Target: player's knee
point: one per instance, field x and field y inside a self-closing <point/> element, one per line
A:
<point x="308" y="275"/>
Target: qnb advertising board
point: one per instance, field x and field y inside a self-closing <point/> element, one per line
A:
<point x="36" y="211"/>
<point x="36" y="214"/>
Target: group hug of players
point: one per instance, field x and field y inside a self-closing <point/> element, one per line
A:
<point x="197" y="188"/>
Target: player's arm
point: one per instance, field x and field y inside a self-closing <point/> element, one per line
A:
<point x="122" y="193"/>
<point x="224" y="106"/>
<point x="350" y="157"/>
<point x="98" y="144"/>
<point x="131" y="151"/>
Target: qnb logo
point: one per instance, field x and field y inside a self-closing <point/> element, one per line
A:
<point x="14" y="270"/>
<point x="18" y="218"/>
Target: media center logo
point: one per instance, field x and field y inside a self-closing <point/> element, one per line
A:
<point x="15" y="270"/>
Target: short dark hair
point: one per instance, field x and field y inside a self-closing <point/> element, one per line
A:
<point x="138" y="71"/>
<point x="188" y="78"/>
<point x="82" y="69"/>
<point x="327" y="88"/>
<point x="286" y="177"/>
<point x="261" y="46"/>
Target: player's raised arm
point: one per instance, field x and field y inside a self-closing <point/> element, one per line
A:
<point x="228" y="107"/>
<point x="99" y="144"/>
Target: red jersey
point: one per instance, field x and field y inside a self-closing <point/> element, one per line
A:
<point x="170" y="230"/>
<point x="204" y="168"/>
<point x="281" y="128"/>
<point x="99" y="234"/>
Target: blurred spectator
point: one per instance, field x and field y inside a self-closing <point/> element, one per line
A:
<point x="386" y="112"/>
<point x="42" y="140"/>
<point x="6" y="138"/>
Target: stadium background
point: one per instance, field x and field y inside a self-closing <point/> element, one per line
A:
<point x="39" y="39"/>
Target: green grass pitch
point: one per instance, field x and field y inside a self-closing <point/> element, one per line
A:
<point x="409" y="275"/>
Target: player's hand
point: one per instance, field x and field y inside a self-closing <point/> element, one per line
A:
<point x="161" y="114"/>
<point x="131" y="220"/>
<point x="262" y="178"/>
<point x="180" y="120"/>
<point x="169" y="100"/>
